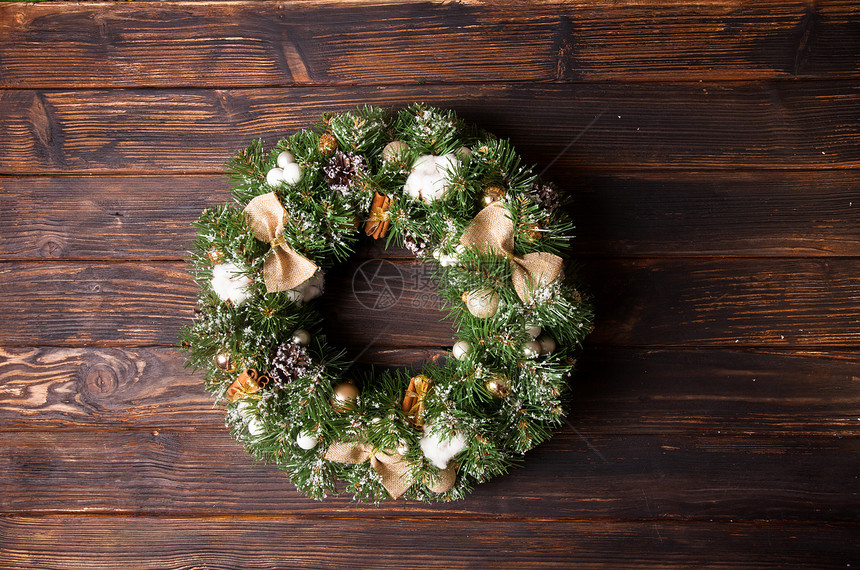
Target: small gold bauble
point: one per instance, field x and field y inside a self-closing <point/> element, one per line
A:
<point x="492" y="193"/>
<point x="394" y="151"/>
<point x="547" y="344"/>
<point x="534" y="231"/>
<point x="345" y="396"/>
<point x="327" y="144"/>
<point x="301" y="337"/>
<point x="482" y="303"/>
<point x="531" y="349"/>
<point x="224" y="362"/>
<point x="498" y="386"/>
<point x="216" y="256"/>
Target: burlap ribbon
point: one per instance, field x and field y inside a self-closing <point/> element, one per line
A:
<point x="391" y="468"/>
<point x="284" y="269"/>
<point x="492" y="231"/>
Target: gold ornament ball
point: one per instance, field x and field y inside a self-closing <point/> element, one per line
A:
<point x="498" y="386"/>
<point x="394" y="151"/>
<point x="345" y="395"/>
<point x="224" y="362"/>
<point x="492" y="193"/>
<point x="531" y="349"/>
<point x="482" y="303"/>
<point x="535" y="231"/>
<point x="301" y="337"/>
<point x="327" y="144"/>
<point x="216" y="256"/>
<point x="547" y="344"/>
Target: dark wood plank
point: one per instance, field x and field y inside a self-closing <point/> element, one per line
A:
<point x="108" y="388"/>
<point x="767" y="302"/>
<point x="790" y="125"/>
<point x="619" y="391"/>
<point x="650" y="213"/>
<point x="65" y="46"/>
<point x="175" y="542"/>
<point x="111" y="217"/>
<point x="577" y="474"/>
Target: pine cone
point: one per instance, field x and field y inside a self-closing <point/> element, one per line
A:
<point x="545" y="195"/>
<point x="290" y="363"/>
<point x="417" y="246"/>
<point x="342" y="169"/>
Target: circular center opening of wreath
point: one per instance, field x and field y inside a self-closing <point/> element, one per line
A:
<point x="479" y="236"/>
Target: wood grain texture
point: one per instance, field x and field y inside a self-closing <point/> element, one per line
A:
<point x="783" y="303"/>
<point x="650" y="213"/>
<point x="408" y="42"/>
<point x="711" y="151"/>
<point x="614" y="392"/>
<point x="705" y="477"/>
<point x="792" y="125"/>
<point x="182" y="542"/>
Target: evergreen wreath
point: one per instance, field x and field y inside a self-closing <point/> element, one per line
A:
<point x="458" y="198"/>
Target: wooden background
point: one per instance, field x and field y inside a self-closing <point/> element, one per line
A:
<point x="710" y="147"/>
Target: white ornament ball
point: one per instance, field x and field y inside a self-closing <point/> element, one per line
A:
<point x="295" y="296"/>
<point x="440" y="450"/>
<point x="547" y="344"/>
<point x="275" y="176"/>
<point x="286" y="158"/>
<point x="393" y="150"/>
<point x="306" y="440"/>
<point x="229" y="283"/>
<point x="482" y="303"/>
<point x="244" y="408"/>
<point x="461" y="349"/>
<point x="292" y="173"/>
<point x="301" y="337"/>
<point x="531" y="349"/>
<point x="255" y="426"/>
<point x="534" y="331"/>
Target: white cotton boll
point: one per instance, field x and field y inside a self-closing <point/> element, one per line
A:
<point x="286" y="158"/>
<point x="292" y="173"/>
<point x="464" y="153"/>
<point x="446" y="260"/>
<point x="313" y="287"/>
<point x="229" y="284"/>
<point x="440" y="450"/>
<point x="447" y="163"/>
<point x="295" y="296"/>
<point x="427" y="179"/>
<point x="275" y="176"/>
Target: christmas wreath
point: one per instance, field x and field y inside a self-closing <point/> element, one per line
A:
<point x="458" y="198"/>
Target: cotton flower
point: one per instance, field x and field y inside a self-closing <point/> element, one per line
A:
<point x="440" y="450"/>
<point x="229" y="283"/>
<point x="428" y="177"/>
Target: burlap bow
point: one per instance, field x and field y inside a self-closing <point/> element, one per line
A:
<point x="391" y="468"/>
<point x="284" y="269"/>
<point x="492" y="231"/>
